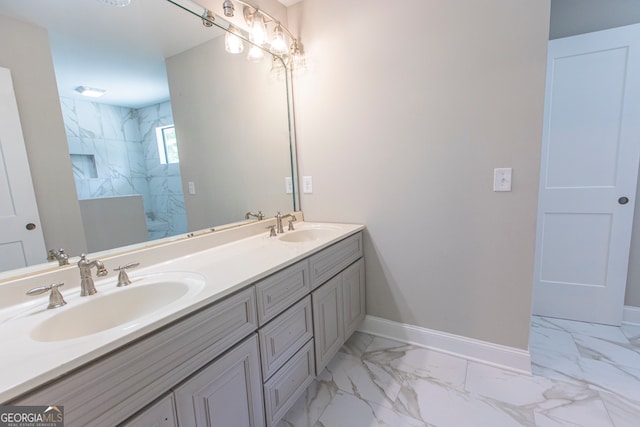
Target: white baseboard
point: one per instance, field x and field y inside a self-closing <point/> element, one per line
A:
<point x="631" y="315"/>
<point x="513" y="359"/>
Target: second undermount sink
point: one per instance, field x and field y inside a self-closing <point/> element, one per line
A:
<point x="89" y="315"/>
<point x="307" y="234"/>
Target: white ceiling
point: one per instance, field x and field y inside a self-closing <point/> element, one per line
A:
<point x="121" y="50"/>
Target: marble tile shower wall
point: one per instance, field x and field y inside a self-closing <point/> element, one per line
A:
<point x="165" y="183"/>
<point x="122" y="143"/>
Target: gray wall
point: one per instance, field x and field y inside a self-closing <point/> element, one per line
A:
<point x="572" y="17"/>
<point x="233" y="135"/>
<point x="402" y="117"/>
<point x="26" y="52"/>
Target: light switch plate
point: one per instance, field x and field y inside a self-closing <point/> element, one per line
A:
<point x="288" y="185"/>
<point x="192" y="187"/>
<point x="502" y="179"/>
<point x="307" y="184"/>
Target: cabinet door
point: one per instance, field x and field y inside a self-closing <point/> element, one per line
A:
<point x="227" y="393"/>
<point x="162" y="414"/>
<point x="353" y="297"/>
<point x="328" y="328"/>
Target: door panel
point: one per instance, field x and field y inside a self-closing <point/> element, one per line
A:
<point x="590" y="153"/>
<point x="19" y="245"/>
<point x="561" y="263"/>
<point x="585" y="116"/>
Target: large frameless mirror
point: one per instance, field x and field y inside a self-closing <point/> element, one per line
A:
<point x="185" y="136"/>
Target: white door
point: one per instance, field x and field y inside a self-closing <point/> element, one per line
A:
<point x="21" y="239"/>
<point x="588" y="176"/>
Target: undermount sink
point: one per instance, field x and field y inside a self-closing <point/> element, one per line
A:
<point x="307" y="234"/>
<point x="100" y="312"/>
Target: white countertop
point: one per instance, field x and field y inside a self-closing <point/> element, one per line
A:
<point x="226" y="268"/>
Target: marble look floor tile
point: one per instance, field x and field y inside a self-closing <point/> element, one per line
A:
<point x="407" y="359"/>
<point x="346" y="410"/>
<point x="581" y="378"/>
<point x="624" y="381"/>
<point x="587" y="412"/>
<point x="357" y="344"/>
<point x="510" y="387"/>
<point x="552" y="341"/>
<point x="379" y="343"/>
<point x="444" y="406"/>
<point x="544" y="322"/>
<point x="623" y="413"/>
<point x="604" y="350"/>
<point x="611" y="333"/>
<point x="308" y="408"/>
<point x="632" y="332"/>
<point x="363" y="379"/>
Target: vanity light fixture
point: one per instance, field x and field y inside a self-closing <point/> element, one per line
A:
<point x="208" y="18"/>
<point x="90" y="91"/>
<point x="297" y="59"/>
<point x="228" y="8"/>
<point x="255" y="54"/>
<point x="257" y="26"/>
<point x="278" y="67"/>
<point x="257" y="21"/>
<point x="232" y="42"/>
<point x="278" y="45"/>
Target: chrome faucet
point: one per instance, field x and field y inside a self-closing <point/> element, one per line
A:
<point x="279" y="218"/>
<point x="59" y="255"/>
<point x="87" y="286"/>
<point x="259" y="216"/>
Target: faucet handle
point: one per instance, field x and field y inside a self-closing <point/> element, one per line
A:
<point x="272" y="231"/>
<point x="123" y="277"/>
<point x="55" y="298"/>
<point x="293" y="218"/>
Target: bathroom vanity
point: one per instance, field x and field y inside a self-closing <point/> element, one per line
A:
<point x="260" y="318"/>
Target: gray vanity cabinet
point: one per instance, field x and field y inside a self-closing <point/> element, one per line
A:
<point x="226" y="393"/>
<point x="286" y="338"/>
<point x="160" y="414"/>
<point x="338" y="309"/>
<point x="328" y="329"/>
<point x="115" y="387"/>
<point x="353" y="297"/>
<point x="283" y="389"/>
<point x="240" y="362"/>
<point x="332" y="260"/>
<point x="281" y="290"/>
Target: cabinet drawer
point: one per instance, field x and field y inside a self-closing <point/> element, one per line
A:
<point x="113" y="388"/>
<point x="288" y="383"/>
<point x="332" y="260"/>
<point x="283" y="336"/>
<point x="281" y="290"/>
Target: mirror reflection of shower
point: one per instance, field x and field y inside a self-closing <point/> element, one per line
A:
<point x="120" y="152"/>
